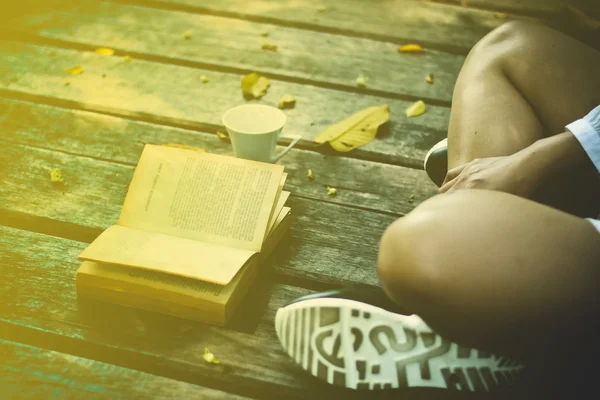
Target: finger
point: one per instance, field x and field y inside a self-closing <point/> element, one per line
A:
<point x="453" y="173"/>
<point x="448" y="185"/>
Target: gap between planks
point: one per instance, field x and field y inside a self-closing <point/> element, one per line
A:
<point x="68" y="45"/>
<point x="194" y="126"/>
<point x="197" y="9"/>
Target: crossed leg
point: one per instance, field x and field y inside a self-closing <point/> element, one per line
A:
<point x="492" y="270"/>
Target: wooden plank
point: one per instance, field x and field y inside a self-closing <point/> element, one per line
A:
<point x="543" y="8"/>
<point x="328" y="244"/>
<point x="434" y="25"/>
<point x="362" y="184"/>
<point x="28" y="372"/>
<point x="234" y="45"/>
<point x="40" y="307"/>
<point x="175" y="96"/>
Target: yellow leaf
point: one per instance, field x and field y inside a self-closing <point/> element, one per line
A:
<point x="128" y="58"/>
<point x="331" y="191"/>
<point x="56" y="176"/>
<point x="185" y="147"/>
<point x="269" y="46"/>
<point x="223" y="136"/>
<point x="429" y="79"/>
<point x="416" y="109"/>
<point x="361" y="81"/>
<point x="321" y="8"/>
<point x="356" y="130"/>
<point x="287" y="101"/>
<point x="264" y="33"/>
<point x="309" y="175"/>
<point x="75" y="70"/>
<point x="411" y="48"/>
<point x="255" y="86"/>
<point x="204" y="79"/>
<point x="209" y="356"/>
<point x="105" y="51"/>
<point x="187" y="35"/>
<point x="501" y="15"/>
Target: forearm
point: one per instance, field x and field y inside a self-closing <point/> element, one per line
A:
<point x="551" y="156"/>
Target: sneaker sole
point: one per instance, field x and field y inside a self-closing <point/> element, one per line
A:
<point x="359" y="346"/>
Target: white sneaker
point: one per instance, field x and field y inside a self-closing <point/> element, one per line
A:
<point x="360" y="346"/>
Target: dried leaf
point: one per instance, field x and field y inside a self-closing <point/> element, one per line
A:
<point x="501" y="15"/>
<point x="331" y="191"/>
<point x="309" y="175"/>
<point x="224" y="137"/>
<point x="356" y="130"/>
<point x="264" y="33"/>
<point x="77" y="70"/>
<point x="56" y="176"/>
<point x="104" y="75"/>
<point x="204" y="79"/>
<point x="321" y="8"/>
<point x="416" y="109"/>
<point x="105" y="51"/>
<point x="429" y="79"/>
<point x="255" y="86"/>
<point x="287" y="101"/>
<point x="209" y="356"/>
<point x="269" y="46"/>
<point x="412" y="196"/>
<point x="127" y="58"/>
<point x="187" y="35"/>
<point x="67" y="83"/>
<point x="361" y="80"/>
<point x="185" y="147"/>
<point x="411" y="48"/>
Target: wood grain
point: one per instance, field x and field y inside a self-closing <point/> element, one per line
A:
<point x="328" y="244"/>
<point x="233" y="45"/>
<point x="29" y="372"/>
<point x="173" y="95"/>
<point x="541" y="8"/>
<point x="400" y="21"/>
<point x="53" y="318"/>
<point x="362" y="184"/>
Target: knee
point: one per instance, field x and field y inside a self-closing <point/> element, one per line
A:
<point x="499" y="46"/>
<point x="408" y="262"/>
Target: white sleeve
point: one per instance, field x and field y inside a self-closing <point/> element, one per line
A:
<point x="587" y="132"/>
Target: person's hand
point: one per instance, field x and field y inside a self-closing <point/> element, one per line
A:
<point x="510" y="174"/>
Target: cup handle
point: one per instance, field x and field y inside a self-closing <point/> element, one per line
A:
<point x="295" y="139"/>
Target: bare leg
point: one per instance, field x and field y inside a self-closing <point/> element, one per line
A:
<point x="494" y="271"/>
<point x="519" y="84"/>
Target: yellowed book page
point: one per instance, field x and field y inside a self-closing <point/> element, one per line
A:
<point x="202" y="196"/>
<point x="280" y="203"/>
<point x="158" y="252"/>
<point x="282" y="214"/>
<point x="274" y="210"/>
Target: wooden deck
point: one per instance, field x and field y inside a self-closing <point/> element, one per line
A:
<point x="93" y="126"/>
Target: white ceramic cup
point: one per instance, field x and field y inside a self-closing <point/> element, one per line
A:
<point x="254" y="130"/>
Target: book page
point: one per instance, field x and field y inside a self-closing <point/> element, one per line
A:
<point x="280" y="203"/>
<point x="201" y="196"/>
<point x="165" y="253"/>
<point x="285" y="212"/>
<point x="275" y="210"/>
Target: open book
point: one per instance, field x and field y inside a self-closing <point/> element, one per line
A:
<point x="193" y="228"/>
